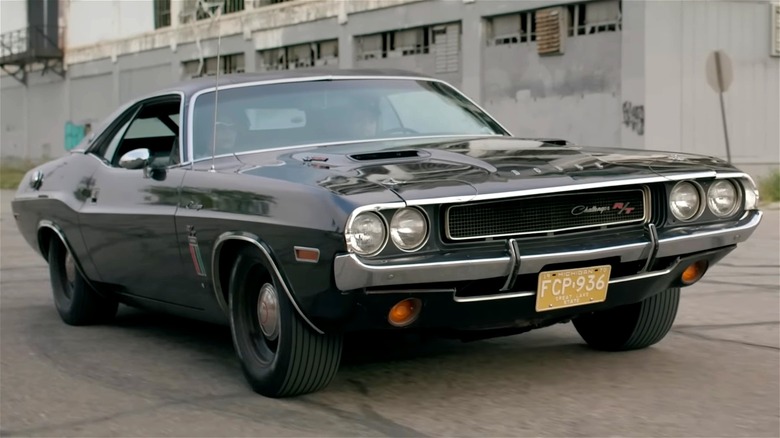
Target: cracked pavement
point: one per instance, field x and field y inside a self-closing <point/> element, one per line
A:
<point x="715" y="374"/>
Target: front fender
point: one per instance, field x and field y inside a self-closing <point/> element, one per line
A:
<point x="272" y="264"/>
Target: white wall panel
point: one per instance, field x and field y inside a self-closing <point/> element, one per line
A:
<point x="94" y="21"/>
<point x="13" y="15"/>
<point x="682" y="110"/>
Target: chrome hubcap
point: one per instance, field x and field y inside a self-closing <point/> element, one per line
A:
<point x="268" y="312"/>
<point x="70" y="268"/>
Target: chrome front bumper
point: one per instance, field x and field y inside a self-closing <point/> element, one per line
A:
<point x="353" y="273"/>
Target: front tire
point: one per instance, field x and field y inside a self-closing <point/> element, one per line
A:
<point x="281" y="356"/>
<point x="76" y="301"/>
<point x="630" y="327"/>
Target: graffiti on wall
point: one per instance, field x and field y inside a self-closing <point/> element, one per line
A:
<point x="74" y="134"/>
<point x="634" y="117"/>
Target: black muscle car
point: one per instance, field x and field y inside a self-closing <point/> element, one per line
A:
<point x="300" y="206"/>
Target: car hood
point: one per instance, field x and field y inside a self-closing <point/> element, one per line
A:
<point x="462" y="168"/>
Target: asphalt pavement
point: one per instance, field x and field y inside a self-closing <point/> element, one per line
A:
<point x="715" y="374"/>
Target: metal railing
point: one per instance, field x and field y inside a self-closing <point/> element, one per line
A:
<point x="32" y="42"/>
<point x="261" y="3"/>
<point x="196" y="10"/>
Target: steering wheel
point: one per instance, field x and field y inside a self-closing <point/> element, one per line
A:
<point x="399" y="130"/>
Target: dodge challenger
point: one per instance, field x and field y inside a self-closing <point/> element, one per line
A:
<point x="297" y="207"/>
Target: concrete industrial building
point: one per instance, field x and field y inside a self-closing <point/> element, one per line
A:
<point x="603" y="72"/>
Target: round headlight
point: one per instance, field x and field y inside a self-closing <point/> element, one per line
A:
<point x="366" y="234"/>
<point x="408" y="229"/>
<point x="723" y="198"/>
<point x="684" y="201"/>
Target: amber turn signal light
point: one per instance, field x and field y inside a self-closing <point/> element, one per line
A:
<point x="405" y="312"/>
<point x="310" y="255"/>
<point x="693" y="273"/>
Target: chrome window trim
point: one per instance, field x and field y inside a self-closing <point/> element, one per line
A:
<point x="644" y="219"/>
<point x="196" y="95"/>
<point x="182" y="97"/>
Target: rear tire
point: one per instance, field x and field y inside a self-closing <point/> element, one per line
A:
<point x="633" y="326"/>
<point x="281" y="356"/>
<point x="76" y="301"/>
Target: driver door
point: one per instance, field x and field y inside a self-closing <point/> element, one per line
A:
<point x="128" y="221"/>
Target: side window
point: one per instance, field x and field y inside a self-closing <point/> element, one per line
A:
<point x="155" y="126"/>
<point x="110" y="150"/>
<point x="108" y="139"/>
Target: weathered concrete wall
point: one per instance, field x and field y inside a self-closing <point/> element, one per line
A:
<point x="13" y="15"/>
<point x="240" y="23"/>
<point x="642" y="87"/>
<point x="91" y="98"/>
<point x="13" y="121"/>
<point x="90" y="22"/>
<point x="683" y="112"/>
<point x="575" y="96"/>
<point x="32" y="119"/>
<point x="140" y="81"/>
<point x="425" y="64"/>
<point x="632" y="74"/>
<point x="46" y="115"/>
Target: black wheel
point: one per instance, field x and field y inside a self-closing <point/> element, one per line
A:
<point x="633" y="326"/>
<point x="76" y="301"/>
<point x="281" y="356"/>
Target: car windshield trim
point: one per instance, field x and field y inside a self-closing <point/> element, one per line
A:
<point x="347" y="142"/>
<point x="190" y="152"/>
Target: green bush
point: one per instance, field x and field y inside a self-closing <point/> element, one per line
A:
<point x="11" y="173"/>
<point x="769" y="187"/>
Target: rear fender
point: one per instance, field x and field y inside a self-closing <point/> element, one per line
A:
<point x="44" y="244"/>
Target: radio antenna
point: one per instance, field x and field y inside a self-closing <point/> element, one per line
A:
<point x="216" y="88"/>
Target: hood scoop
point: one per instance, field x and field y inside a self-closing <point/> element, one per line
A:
<point x="387" y="155"/>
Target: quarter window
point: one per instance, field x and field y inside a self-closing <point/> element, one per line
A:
<point x="155" y="126"/>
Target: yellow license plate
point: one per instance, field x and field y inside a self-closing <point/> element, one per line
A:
<point x="572" y="287"/>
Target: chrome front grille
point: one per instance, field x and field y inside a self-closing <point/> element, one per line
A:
<point x="544" y="214"/>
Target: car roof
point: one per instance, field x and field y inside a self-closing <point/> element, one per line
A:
<point x="192" y="86"/>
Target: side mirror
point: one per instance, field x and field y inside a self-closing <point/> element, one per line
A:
<point x="135" y="159"/>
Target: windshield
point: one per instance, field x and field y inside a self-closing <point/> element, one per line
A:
<point x="270" y="116"/>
